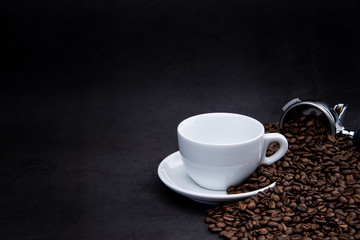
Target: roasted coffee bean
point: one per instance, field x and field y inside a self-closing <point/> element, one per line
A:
<point x="282" y="227"/>
<point x="221" y="224"/>
<point x="209" y="220"/>
<point x="262" y="231"/>
<point x="331" y="138"/>
<point x="317" y="192"/>
<point x="357" y="198"/>
<point x="271" y="204"/>
<point x="251" y="205"/>
<point x="296" y="237"/>
<point x="311" y="211"/>
<point x="286" y="219"/>
<point x="272" y="224"/>
<point x="214" y="228"/>
<point x="275" y="197"/>
<point x="309" y="123"/>
<point x="343" y="199"/>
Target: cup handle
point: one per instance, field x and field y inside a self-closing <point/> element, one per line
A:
<point x="270" y="138"/>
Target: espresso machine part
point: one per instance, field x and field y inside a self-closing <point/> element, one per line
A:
<point x="332" y="116"/>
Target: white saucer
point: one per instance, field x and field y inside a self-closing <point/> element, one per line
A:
<point x="172" y="173"/>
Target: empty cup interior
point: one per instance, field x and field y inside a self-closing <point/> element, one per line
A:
<point x="220" y="128"/>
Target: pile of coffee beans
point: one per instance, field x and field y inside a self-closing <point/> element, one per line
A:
<point x="317" y="192"/>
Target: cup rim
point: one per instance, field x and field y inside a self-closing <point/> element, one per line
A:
<point x="220" y="144"/>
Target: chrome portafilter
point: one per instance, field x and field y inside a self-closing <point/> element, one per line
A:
<point x="332" y="116"/>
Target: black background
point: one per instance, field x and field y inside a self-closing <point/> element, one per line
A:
<point x="92" y="92"/>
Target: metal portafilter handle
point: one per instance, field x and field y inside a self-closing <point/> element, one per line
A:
<point x="333" y="116"/>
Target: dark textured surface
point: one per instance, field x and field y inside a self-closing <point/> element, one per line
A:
<point x="92" y="92"/>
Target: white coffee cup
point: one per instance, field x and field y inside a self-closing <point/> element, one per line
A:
<point x="223" y="149"/>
